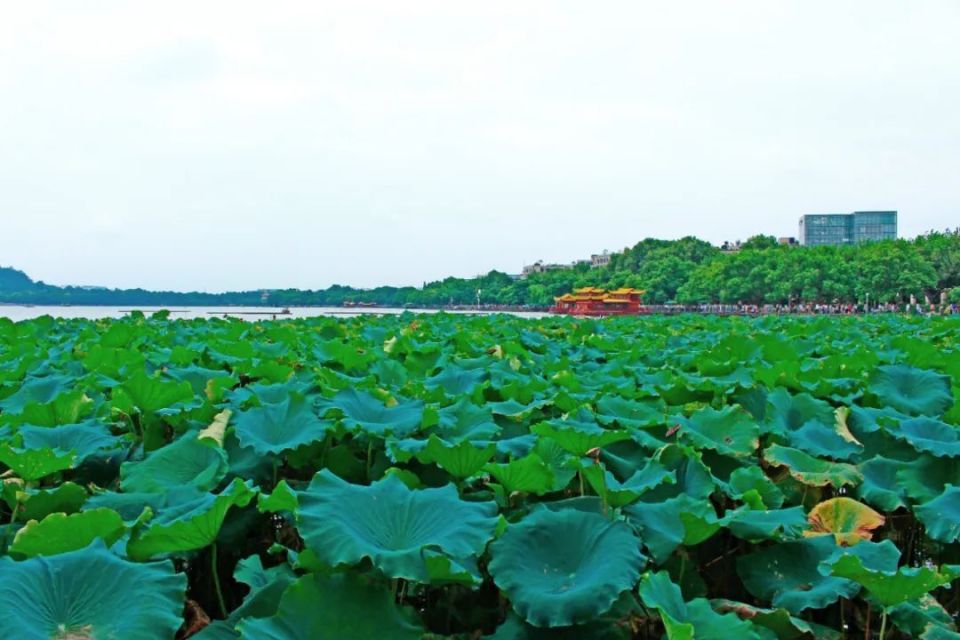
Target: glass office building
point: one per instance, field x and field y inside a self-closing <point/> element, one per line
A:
<point x="847" y="228"/>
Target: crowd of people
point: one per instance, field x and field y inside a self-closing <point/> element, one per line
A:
<point x="915" y="308"/>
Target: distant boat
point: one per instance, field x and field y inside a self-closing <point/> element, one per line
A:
<point x="285" y="311"/>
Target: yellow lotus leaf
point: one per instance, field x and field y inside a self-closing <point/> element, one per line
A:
<point x="848" y="520"/>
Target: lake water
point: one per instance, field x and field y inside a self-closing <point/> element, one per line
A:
<point x="17" y="312"/>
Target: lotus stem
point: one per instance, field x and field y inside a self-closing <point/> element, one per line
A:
<point x="369" y="461"/>
<point x="883" y="625"/>
<point x="216" y="581"/>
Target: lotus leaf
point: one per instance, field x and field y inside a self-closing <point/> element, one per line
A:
<point x="787" y="574"/>
<point x="941" y="516"/>
<point x="188" y="525"/>
<point x="730" y="431"/>
<point x="848" y="520"/>
<point x="89" y="593"/>
<point x="931" y="436"/>
<point x="275" y="427"/>
<point x="364" y="412"/>
<point x="59" y="532"/>
<point x="810" y="470"/>
<point x="341" y="607"/>
<point x="564" y="567"/>
<point x="891" y="588"/>
<point x="911" y="390"/>
<point x="388" y="523"/>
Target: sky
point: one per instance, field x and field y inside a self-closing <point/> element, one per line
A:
<point x="225" y="145"/>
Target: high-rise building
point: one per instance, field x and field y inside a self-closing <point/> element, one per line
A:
<point x="847" y="228"/>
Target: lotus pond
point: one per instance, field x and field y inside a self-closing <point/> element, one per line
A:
<point x="479" y="477"/>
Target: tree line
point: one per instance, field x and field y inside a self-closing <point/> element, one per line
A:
<point x="685" y="271"/>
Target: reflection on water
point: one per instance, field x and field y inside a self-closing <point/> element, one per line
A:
<point x="17" y="312"/>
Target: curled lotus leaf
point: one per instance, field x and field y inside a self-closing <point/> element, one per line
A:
<point x="338" y="607"/>
<point x="848" y="520"/>
<point x="565" y="567"/>
<point x="891" y="588"/>
<point x="696" y="618"/>
<point x="788" y="574"/>
<point x="59" y="532"/>
<point x="931" y="436"/>
<point x="390" y="524"/>
<point x="89" y="593"/>
<point x="941" y="515"/>
<point x="187" y="525"/>
<point x="189" y="460"/>
<point x="812" y="471"/>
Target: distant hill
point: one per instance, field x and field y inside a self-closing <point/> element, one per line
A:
<point x="687" y="270"/>
<point x="15" y="280"/>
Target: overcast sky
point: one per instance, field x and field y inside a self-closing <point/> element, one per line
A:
<point x="234" y="145"/>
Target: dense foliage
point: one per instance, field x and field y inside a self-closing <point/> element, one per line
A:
<point x="466" y="477"/>
<point x="686" y="271"/>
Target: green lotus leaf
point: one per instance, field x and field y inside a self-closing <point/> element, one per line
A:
<point x="618" y="494"/>
<point x="275" y="427"/>
<point x="891" y="588"/>
<point x="283" y="498"/>
<point x="818" y="439"/>
<point x="150" y="395"/>
<point x="364" y="412"/>
<point x="441" y="569"/>
<point x="34" y="464"/>
<point x="752" y="479"/>
<point x="880" y="487"/>
<point x="926" y="477"/>
<point x="846" y="519"/>
<point x="665" y="525"/>
<point x="188" y="525"/>
<point x="466" y="421"/>
<point x="338" y="607"/>
<point x="36" y="504"/>
<point x="628" y="413"/>
<point x="133" y="507"/>
<point x="929" y="435"/>
<point x="41" y="390"/>
<point x="810" y="470"/>
<point x="941" y="516"/>
<point x="186" y="461"/>
<point x="83" y="439"/>
<point x="693" y="477"/>
<point x="526" y="475"/>
<point x="730" y="431"/>
<point x="89" y="593"/>
<point x="388" y="523"/>
<point x="565" y="567"/>
<point x="779" y="621"/>
<point x="560" y="462"/>
<point x="695" y="619"/>
<point x="914" y="616"/>
<point x="266" y="588"/>
<point x="762" y="524"/>
<point x="514" y="628"/>
<point x="59" y="532"/>
<point x="460" y="460"/>
<point x="911" y="390"/>
<point x="787" y="413"/>
<point x="456" y="381"/>
<point x="577" y="436"/>
<point x="934" y="632"/>
<point x="787" y="574"/>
